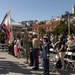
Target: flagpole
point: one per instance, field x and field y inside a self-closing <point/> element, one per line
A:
<point x="5" y="16"/>
<point x="4" y="19"/>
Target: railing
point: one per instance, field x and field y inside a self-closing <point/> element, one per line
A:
<point x="3" y="47"/>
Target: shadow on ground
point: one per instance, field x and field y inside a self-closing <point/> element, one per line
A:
<point x="14" y="67"/>
<point x="8" y="66"/>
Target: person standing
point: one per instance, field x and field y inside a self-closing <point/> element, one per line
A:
<point x="26" y="47"/>
<point x="2" y="41"/>
<point x="15" y="53"/>
<point x="12" y="48"/>
<point x="35" y="44"/>
<point x="9" y="48"/>
<point x="70" y="44"/>
<point x="45" y="55"/>
<point x="61" y="49"/>
<point x="31" y="49"/>
<point x="18" y="46"/>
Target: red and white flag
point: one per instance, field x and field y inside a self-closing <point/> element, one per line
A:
<point x="7" y="27"/>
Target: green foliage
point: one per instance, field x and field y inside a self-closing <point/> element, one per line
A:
<point x="72" y="29"/>
<point x="41" y="30"/>
<point x="42" y="22"/>
<point x="63" y="29"/>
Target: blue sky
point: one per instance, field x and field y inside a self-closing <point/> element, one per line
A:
<point x="34" y="9"/>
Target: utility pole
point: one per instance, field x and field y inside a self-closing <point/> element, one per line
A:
<point x="68" y="24"/>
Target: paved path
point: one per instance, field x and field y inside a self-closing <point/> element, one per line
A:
<point x="9" y="65"/>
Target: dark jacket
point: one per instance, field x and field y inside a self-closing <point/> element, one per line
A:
<point x="45" y="50"/>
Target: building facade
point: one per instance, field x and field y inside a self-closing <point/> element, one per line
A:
<point x="48" y="27"/>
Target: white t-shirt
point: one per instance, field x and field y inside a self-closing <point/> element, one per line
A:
<point x="18" y="43"/>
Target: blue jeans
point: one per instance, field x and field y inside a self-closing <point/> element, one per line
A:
<point x="35" y="57"/>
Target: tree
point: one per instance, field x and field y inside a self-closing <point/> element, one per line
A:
<point x="72" y="28"/>
<point x="41" y="30"/>
<point x="66" y="12"/>
<point x="42" y="22"/>
<point x="61" y="29"/>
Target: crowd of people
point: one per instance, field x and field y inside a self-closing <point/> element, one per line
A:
<point x="36" y="43"/>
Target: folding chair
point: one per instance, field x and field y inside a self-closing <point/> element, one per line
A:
<point x="53" y="61"/>
<point x="51" y="50"/>
<point x="70" y="61"/>
<point x="68" y="64"/>
<point x="73" y="61"/>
